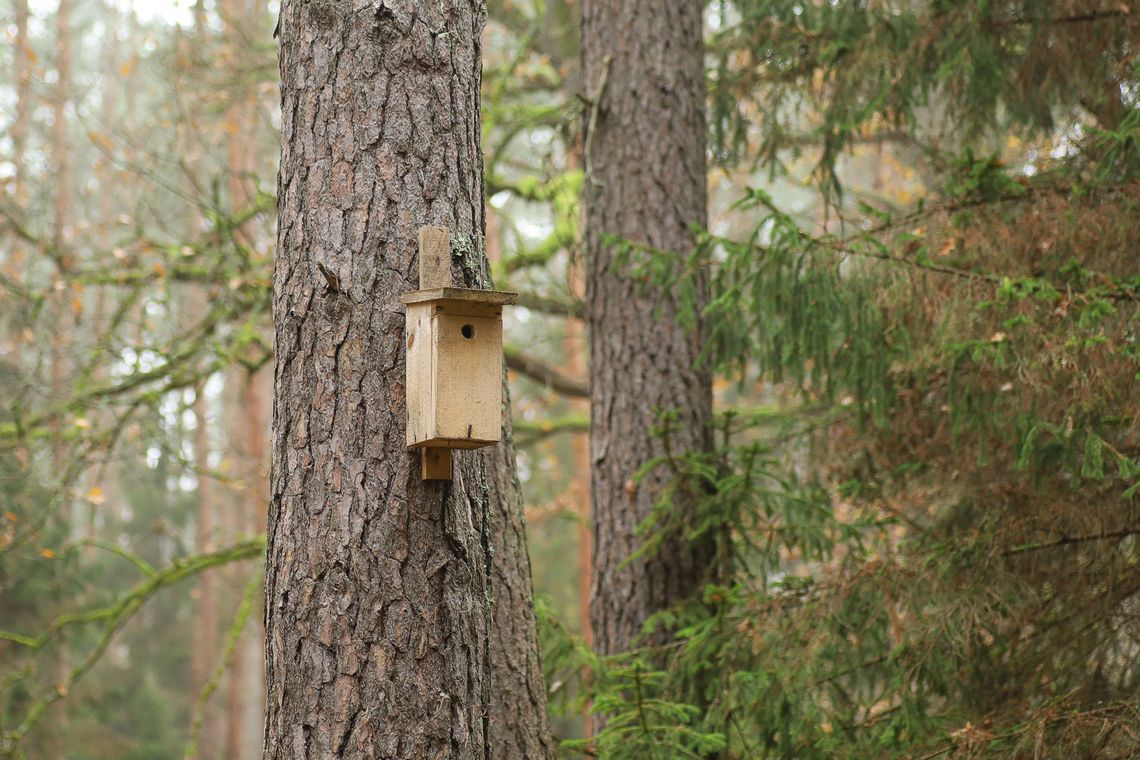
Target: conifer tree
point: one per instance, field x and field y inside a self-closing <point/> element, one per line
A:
<point x="645" y="184"/>
<point x="379" y="596"/>
<point x="934" y="544"/>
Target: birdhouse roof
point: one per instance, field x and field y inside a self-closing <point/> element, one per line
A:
<point x="466" y="301"/>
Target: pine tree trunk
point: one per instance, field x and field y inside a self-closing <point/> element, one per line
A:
<point x="204" y="653"/>
<point x="377" y="583"/>
<point x="205" y="645"/>
<point x="645" y="169"/>
<point x="19" y="130"/>
<point x="244" y="435"/>
<point x="60" y="353"/>
<point x="60" y="146"/>
<point x="257" y="401"/>
<point x="575" y="346"/>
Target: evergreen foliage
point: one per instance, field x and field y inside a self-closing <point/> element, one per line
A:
<point x="933" y="552"/>
<point x="926" y="486"/>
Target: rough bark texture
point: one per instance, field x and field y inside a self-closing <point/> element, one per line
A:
<point x="645" y="166"/>
<point x="378" y="601"/>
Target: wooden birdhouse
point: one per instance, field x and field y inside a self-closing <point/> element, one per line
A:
<point x="454" y="376"/>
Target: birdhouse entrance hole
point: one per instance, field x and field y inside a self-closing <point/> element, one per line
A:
<point x="454" y="383"/>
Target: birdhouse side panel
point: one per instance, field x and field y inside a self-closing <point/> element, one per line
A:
<point x="468" y="379"/>
<point x="419" y="374"/>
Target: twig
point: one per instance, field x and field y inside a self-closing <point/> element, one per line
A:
<point x="115" y="616"/>
<point x="1068" y="540"/>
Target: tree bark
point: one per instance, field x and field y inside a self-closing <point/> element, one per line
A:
<point x="645" y="183"/>
<point x="378" y="601"/>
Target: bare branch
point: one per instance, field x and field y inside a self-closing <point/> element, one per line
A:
<point x="545" y="374"/>
<point x="555" y="306"/>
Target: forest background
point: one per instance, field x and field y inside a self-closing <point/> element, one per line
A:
<point x="922" y="249"/>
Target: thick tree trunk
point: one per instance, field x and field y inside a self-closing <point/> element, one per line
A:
<point x="378" y="598"/>
<point x="645" y="168"/>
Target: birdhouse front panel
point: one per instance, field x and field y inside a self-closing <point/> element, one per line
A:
<point x="454" y="377"/>
<point x="468" y="379"/>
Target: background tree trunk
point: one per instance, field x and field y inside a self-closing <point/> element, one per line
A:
<point x="518" y="722"/>
<point x="204" y="653"/>
<point x="645" y="169"/>
<point x="242" y="24"/>
<point x="377" y="594"/>
<point x="22" y="74"/>
<point x="60" y="357"/>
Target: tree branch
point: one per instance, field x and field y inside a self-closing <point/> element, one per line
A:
<point x="114" y="616"/>
<point x="1069" y="540"/>
<point x="555" y="306"/>
<point x="532" y="432"/>
<point x="545" y="374"/>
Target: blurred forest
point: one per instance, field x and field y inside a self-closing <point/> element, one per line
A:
<point x="922" y="253"/>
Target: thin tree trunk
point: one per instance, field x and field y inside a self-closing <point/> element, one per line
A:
<point x="237" y="671"/>
<point x="205" y="646"/>
<point x="378" y="598"/>
<point x="575" y="347"/>
<point x="62" y="178"/>
<point x="23" y="78"/>
<point x="518" y="722"/>
<point x="250" y="425"/>
<point x="204" y="652"/>
<point x="107" y="476"/>
<point x="12" y="257"/>
<point x="59" y="355"/>
<point x="259" y="409"/>
<point x="235" y="15"/>
<point x="645" y="170"/>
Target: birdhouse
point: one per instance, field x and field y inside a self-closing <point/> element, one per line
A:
<point x="454" y="376"/>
